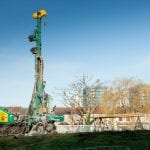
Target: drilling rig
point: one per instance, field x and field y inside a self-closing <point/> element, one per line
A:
<point x="39" y="119"/>
<point x="40" y="103"/>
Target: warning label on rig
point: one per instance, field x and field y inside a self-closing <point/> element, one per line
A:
<point x="3" y="116"/>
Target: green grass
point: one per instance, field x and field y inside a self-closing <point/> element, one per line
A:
<point x="132" y="139"/>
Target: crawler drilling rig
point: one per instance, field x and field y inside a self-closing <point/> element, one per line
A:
<point x="39" y="119"/>
<point x="40" y="103"/>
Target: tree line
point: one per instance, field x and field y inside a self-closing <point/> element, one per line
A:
<point x="86" y="97"/>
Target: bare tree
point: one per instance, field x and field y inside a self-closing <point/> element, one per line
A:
<point x="140" y="98"/>
<point x="117" y="98"/>
<point x="82" y="97"/>
<point x="122" y="96"/>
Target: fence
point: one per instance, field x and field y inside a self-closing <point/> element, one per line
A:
<point x="95" y="128"/>
<point x="79" y="128"/>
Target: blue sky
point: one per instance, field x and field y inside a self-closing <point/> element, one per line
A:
<point x="106" y="39"/>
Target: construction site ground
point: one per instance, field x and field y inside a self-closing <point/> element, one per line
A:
<point x="125" y="140"/>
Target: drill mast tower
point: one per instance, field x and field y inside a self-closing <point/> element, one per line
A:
<point x="40" y="100"/>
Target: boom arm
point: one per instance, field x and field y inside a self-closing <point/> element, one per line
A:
<point x="39" y="97"/>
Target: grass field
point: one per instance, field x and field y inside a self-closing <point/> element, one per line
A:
<point x="138" y="140"/>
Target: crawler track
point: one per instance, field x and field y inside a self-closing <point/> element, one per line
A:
<point x="6" y="130"/>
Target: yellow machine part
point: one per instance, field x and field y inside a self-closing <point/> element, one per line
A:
<point x="39" y="14"/>
<point x="3" y="117"/>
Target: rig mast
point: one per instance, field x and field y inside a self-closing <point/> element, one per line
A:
<point x="40" y="100"/>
